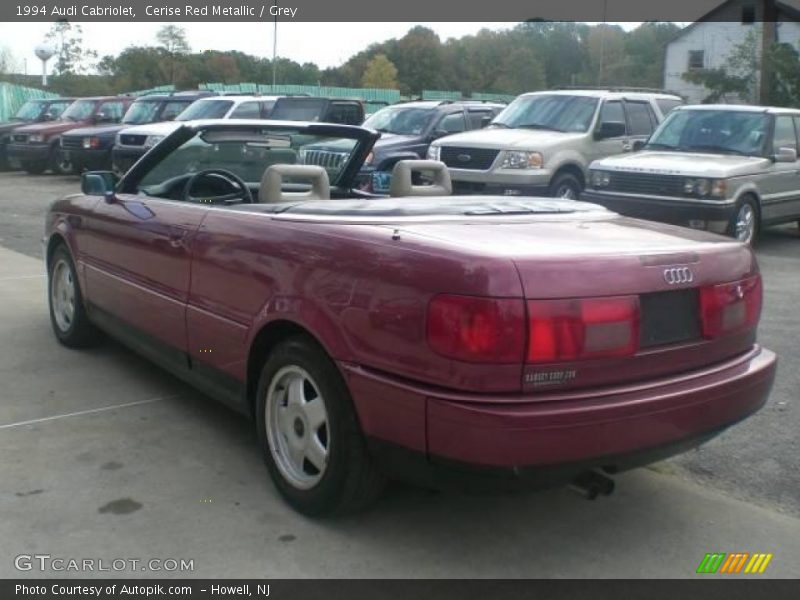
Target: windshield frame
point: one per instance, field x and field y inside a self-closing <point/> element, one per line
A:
<point x="431" y="114"/>
<point x="532" y="98"/>
<point x="675" y="113"/>
<point x="365" y="139"/>
<point x="81" y="102"/>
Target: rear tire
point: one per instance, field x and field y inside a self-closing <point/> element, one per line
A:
<point x="309" y="434"/>
<point x="68" y="316"/>
<point x="567" y="186"/>
<point x="745" y="224"/>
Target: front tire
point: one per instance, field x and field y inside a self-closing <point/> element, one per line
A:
<point x="59" y="164"/>
<point x="309" y="434"/>
<point x="34" y="168"/>
<point x="745" y="224"/>
<point x="68" y="316"/>
<point x="566" y="186"/>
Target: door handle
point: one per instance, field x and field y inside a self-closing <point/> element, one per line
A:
<point x="627" y="146"/>
<point x="177" y="237"/>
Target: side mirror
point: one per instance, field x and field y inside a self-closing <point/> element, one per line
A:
<point x="610" y="129"/>
<point x="485" y="121"/>
<point x="785" y="155"/>
<point x="638" y="145"/>
<point x="99" y="183"/>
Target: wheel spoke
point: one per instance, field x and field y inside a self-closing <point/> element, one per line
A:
<point x="316" y="454"/>
<point x="295" y="393"/>
<point x="283" y="420"/>
<point x="315" y="413"/>
<point x="296" y="455"/>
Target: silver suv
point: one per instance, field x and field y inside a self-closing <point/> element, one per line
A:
<point x="543" y="142"/>
<point x="727" y="169"/>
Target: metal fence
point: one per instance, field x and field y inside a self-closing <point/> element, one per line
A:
<point x="12" y="97"/>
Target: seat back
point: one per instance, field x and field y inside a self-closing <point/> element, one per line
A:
<point x="402" y="179"/>
<point x="272" y="182"/>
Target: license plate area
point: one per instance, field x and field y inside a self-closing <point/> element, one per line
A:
<point x="669" y="318"/>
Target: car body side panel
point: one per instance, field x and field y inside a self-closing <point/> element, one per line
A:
<point x="361" y="293"/>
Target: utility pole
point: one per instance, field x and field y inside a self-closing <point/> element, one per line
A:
<point x="602" y="43"/>
<point x="275" y="47"/>
<point x="768" y="39"/>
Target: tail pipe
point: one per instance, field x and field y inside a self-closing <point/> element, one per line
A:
<point x="591" y="484"/>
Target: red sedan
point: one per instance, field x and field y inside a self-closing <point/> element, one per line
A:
<point x="490" y="341"/>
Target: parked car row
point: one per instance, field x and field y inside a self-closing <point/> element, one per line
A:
<point x="724" y="168"/>
<point x="69" y="135"/>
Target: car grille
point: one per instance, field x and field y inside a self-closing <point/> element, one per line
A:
<point x="130" y="139"/>
<point x="71" y="142"/>
<point x="646" y="183"/>
<point x="669" y="318"/>
<point x="477" y="159"/>
<point x="21" y="138"/>
<point x="325" y="158"/>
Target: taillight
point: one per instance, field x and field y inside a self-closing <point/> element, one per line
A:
<point x="472" y="329"/>
<point x="582" y="328"/>
<point x="730" y="307"/>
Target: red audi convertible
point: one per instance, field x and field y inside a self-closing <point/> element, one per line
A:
<point x="471" y="341"/>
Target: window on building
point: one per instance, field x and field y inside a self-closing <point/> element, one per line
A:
<point x="696" y="59"/>
<point x="748" y="14"/>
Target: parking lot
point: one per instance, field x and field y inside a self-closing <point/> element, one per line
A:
<point x="105" y="456"/>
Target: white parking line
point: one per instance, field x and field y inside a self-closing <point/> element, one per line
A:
<point x="87" y="412"/>
<point x="22" y="277"/>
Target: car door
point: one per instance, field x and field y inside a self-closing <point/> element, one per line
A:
<point x="137" y="267"/>
<point x="782" y="184"/>
<point x="612" y="110"/>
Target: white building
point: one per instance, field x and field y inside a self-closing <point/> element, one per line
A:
<point x="707" y="43"/>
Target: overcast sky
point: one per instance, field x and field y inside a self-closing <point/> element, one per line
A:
<point x="325" y="44"/>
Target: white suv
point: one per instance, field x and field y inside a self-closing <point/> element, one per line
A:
<point x="133" y="142"/>
<point x="543" y="142"/>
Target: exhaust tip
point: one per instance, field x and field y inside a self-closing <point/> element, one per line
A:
<point x="591" y="484"/>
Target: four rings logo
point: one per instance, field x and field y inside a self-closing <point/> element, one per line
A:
<point x="676" y="275"/>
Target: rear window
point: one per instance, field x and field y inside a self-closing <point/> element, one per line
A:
<point x="667" y="104"/>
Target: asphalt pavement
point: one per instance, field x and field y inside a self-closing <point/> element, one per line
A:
<point x="104" y="456"/>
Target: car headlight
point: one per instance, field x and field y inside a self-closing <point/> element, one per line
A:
<point x="36" y="138"/>
<point x="434" y="152"/>
<point x="91" y="142"/>
<point x="600" y="179"/>
<point x="152" y="140"/>
<point x="703" y="187"/>
<point x="514" y="159"/>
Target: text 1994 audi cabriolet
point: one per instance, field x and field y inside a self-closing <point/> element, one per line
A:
<point x="488" y="341"/>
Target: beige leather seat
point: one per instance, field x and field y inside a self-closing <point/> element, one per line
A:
<point x="402" y="183"/>
<point x="272" y="182"/>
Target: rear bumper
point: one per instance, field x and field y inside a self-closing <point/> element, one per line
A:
<point x="716" y="215"/>
<point x="28" y="152"/>
<point x="433" y="437"/>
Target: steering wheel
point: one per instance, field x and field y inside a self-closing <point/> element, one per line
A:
<point x="243" y="194"/>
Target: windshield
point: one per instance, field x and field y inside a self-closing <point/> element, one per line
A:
<point x="80" y="110"/>
<point x="554" y="112"/>
<point x="717" y="131"/>
<point x="205" y="109"/>
<point x="141" y="112"/>
<point x="30" y="111"/>
<point x="409" y="121"/>
<point x="248" y="152"/>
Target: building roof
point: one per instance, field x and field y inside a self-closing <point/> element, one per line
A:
<point x="788" y="13"/>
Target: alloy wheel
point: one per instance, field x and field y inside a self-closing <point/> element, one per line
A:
<point x="62" y="295"/>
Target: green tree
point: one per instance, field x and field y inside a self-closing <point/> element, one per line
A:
<point x="172" y="40"/>
<point x="71" y="56"/>
<point x="380" y="73"/>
